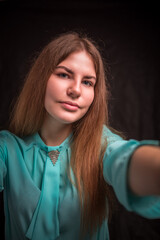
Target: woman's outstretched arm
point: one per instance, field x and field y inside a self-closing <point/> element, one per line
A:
<point x="144" y="171"/>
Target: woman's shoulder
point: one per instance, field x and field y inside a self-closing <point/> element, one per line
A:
<point x="110" y="135"/>
<point x="10" y="139"/>
<point x="6" y="142"/>
<point x="5" y="134"/>
<point x="7" y="139"/>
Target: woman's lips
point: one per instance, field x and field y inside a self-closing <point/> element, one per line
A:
<point x="70" y="106"/>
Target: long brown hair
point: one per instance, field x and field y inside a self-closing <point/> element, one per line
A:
<point x="87" y="151"/>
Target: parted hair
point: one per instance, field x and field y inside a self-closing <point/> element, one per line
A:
<point x="87" y="151"/>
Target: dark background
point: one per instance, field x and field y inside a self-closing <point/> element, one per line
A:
<point x="128" y="34"/>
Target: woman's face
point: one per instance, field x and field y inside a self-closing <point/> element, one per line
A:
<point x="70" y="89"/>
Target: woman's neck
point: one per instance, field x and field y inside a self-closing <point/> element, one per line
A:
<point x="54" y="133"/>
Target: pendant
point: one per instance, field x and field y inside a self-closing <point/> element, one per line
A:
<point x="54" y="156"/>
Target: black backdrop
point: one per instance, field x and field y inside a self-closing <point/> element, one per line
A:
<point x="128" y="34"/>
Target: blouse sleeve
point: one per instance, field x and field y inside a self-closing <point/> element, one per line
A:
<point x="115" y="169"/>
<point x="3" y="169"/>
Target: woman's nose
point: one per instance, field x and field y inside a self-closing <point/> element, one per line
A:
<point x="74" y="90"/>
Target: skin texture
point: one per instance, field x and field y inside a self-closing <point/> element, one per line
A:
<point x="69" y="94"/>
<point x="144" y="171"/>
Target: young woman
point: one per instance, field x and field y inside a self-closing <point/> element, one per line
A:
<point x="59" y="158"/>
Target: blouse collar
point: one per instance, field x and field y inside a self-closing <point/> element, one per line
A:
<point x="37" y="140"/>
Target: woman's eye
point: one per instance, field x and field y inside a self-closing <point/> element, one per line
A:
<point x="63" y="75"/>
<point x="88" y="83"/>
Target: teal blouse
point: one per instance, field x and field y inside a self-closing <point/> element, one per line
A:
<point x="40" y="203"/>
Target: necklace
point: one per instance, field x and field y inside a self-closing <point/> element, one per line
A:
<point x="54" y="156"/>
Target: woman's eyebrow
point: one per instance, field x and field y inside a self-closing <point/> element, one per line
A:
<point x="65" y="68"/>
<point x="90" y="77"/>
<point x="71" y="72"/>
